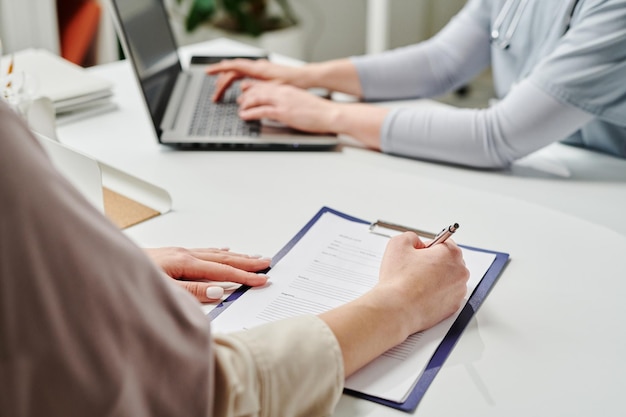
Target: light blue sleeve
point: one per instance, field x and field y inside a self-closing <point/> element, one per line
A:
<point x="587" y="69"/>
<point x="527" y="119"/>
<point x="577" y="91"/>
<point x="454" y="56"/>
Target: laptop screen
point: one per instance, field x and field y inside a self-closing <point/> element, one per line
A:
<point x="150" y="45"/>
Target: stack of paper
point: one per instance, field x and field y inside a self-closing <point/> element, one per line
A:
<point x="71" y="88"/>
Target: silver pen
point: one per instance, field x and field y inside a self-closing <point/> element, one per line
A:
<point x="443" y="235"/>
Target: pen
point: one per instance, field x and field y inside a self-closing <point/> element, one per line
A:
<point x="443" y="235"/>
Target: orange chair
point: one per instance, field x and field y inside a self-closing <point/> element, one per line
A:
<point x="78" y="27"/>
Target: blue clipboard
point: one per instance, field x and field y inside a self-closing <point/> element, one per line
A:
<point x="450" y="339"/>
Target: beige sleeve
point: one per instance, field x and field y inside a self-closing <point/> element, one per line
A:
<point x="89" y="325"/>
<point x="289" y="368"/>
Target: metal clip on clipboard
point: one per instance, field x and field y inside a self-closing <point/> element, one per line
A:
<point x="384" y="228"/>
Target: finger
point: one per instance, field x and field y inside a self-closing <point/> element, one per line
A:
<point x="257" y="92"/>
<point x="247" y="264"/>
<point x="228" y="273"/>
<point x="455" y="249"/>
<point x="213" y="69"/>
<point x="415" y="240"/>
<point x="407" y="240"/>
<point x="220" y="67"/>
<point x="451" y="243"/>
<point x="202" y="252"/>
<point x="227" y="286"/>
<point x="223" y="82"/>
<point x="260" y="112"/>
<point x="197" y="269"/>
<point x="269" y="88"/>
<point x="253" y="98"/>
<point x="237" y="260"/>
<point x="246" y="85"/>
<point x="448" y="244"/>
<point x="205" y="293"/>
<point x="277" y="82"/>
<point x="245" y="67"/>
<point x="222" y="250"/>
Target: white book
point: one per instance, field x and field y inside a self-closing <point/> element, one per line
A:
<point x="45" y="74"/>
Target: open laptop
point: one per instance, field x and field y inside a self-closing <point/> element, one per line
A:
<point x="179" y="101"/>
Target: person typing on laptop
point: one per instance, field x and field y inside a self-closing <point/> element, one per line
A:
<point x="559" y="69"/>
<point x="178" y="97"/>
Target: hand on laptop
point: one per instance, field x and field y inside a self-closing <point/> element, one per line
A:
<point x="304" y="111"/>
<point x="192" y="268"/>
<point x="231" y="70"/>
<point x="287" y="105"/>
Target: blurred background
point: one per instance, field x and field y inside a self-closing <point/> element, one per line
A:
<point x="330" y="28"/>
<point x="82" y="31"/>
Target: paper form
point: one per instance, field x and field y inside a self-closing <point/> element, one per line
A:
<point x="336" y="261"/>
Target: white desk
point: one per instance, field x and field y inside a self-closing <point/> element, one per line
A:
<point x="549" y="339"/>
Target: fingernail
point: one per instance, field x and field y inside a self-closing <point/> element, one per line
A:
<point x="264" y="276"/>
<point x="214" y="292"/>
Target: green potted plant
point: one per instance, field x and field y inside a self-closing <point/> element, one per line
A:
<point x="250" y="17"/>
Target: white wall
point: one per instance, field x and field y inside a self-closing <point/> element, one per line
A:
<point x="29" y="23"/>
<point x="336" y="28"/>
<point x="332" y="28"/>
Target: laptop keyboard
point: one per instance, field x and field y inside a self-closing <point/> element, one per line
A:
<point x="220" y="119"/>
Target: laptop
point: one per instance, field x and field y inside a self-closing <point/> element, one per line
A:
<point x="179" y="101"/>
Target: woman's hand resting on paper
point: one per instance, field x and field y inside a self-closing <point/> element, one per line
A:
<point x="191" y="268"/>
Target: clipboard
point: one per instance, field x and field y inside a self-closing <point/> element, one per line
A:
<point x="452" y="336"/>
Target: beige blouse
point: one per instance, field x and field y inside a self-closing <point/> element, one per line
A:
<point x="90" y="327"/>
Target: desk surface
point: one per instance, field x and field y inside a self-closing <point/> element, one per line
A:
<point x="547" y="341"/>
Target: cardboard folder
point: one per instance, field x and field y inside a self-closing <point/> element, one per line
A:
<point x="125" y="199"/>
